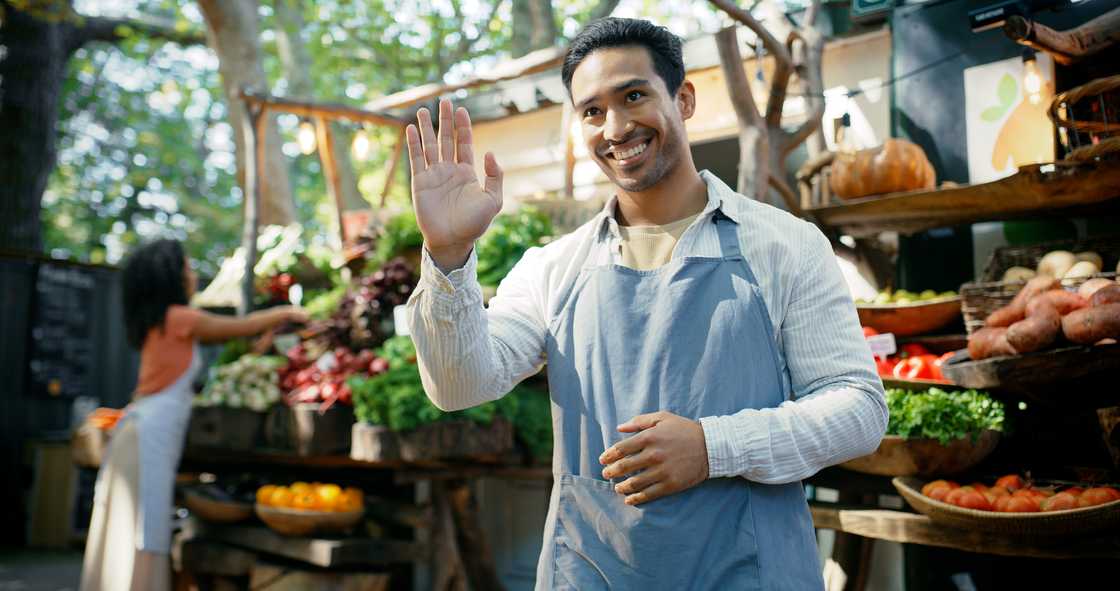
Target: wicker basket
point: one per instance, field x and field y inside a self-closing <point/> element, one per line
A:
<point x="981" y="298"/>
<point x="1029" y="525"/>
<point x="1088" y="119"/>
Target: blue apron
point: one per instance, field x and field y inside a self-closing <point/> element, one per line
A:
<point x="692" y="337"/>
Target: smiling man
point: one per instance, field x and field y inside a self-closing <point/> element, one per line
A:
<point x="703" y="353"/>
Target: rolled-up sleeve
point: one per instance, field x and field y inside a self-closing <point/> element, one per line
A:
<point x="837" y="411"/>
<point x="468" y="354"/>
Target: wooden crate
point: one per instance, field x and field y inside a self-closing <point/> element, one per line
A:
<point x="449" y="440"/>
<point x="304" y="430"/>
<point x="238" y="429"/>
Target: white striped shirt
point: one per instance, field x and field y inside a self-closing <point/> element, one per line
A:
<point x="834" y="410"/>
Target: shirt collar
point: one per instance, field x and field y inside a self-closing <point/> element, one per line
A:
<point x="720" y="196"/>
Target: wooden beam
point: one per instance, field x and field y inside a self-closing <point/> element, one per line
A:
<point x="566" y="123"/>
<point x="309" y="109"/>
<point x="1070" y="45"/>
<point x="325" y="137"/>
<point x="393" y="161"/>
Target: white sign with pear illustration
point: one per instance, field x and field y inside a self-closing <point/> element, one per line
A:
<point x="1005" y="116"/>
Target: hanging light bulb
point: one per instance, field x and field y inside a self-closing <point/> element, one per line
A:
<point x="1032" y="77"/>
<point x="360" y="146"/>
<point x="306" y="137"/>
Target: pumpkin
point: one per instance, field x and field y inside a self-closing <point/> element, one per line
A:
<point x="897" y="165"/>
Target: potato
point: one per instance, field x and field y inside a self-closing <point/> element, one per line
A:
<point x="1056" y="263"/>
<point x="1089" y="325"/>
<point x="1091" y="257"/>
<point x="1017" y="274"/>
<point x="1039" y="329"/>
<point x="1081" y="269"/>
<point x="1091" y="286"/>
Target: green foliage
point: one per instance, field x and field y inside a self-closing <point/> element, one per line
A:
<point x="232" y="351"/>
<point x="323" y="305"/>
<point x="509" y="236"/>
<point x="401" y="234"/>
<point x="942" y="415"/>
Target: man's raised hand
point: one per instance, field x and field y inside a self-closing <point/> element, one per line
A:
<point x="452" y="208"/>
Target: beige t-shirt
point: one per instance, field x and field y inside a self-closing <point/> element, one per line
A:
<point x="649" y="247"/>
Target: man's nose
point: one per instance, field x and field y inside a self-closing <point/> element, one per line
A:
<point x="618" y="126"/>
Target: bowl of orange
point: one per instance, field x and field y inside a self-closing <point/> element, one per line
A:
<point x="302" y="509"/>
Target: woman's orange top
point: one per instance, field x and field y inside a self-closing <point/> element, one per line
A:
<point x="167" y="350"/>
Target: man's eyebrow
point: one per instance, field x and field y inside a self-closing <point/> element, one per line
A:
<point x="631" y="83"/>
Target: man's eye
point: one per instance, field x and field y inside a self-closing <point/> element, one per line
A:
<point x="591" y="112"/>
<point x="633" y="95"/>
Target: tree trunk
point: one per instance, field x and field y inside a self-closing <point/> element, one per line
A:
<point x="233" y="31"/>
<point x="297" y="70"/>
<point x="31" y="74"/>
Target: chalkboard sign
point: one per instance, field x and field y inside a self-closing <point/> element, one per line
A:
<point x="60" y="351"/>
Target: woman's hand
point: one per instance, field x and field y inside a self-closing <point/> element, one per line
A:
<point x="452" y="208"/>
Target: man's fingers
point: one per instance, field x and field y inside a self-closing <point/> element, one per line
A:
<point x="630" y="464"/>
<point x="415" y="150"/>
<point x="464" y="147"/>
<point x="641" y="422"/>
<point x="493" y="181"/>
<point x="651" y="493"/>
<point x="428" y="134"/>
<point x="446" y="132"/>
<point x="626" y="447"/>
<point x="639" y="482"/>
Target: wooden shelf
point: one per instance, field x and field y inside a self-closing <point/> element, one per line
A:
<point x="1033" y="191"/>
<point x="912" y="528"/>
<point x="324" y="552"/>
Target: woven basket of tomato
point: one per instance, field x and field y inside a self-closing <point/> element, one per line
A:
<point x="1014" y="506"/>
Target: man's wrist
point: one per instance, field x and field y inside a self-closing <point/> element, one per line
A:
<point x="451" y="257"/>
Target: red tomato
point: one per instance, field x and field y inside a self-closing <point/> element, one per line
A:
<point x="912" y="350"/>
<point x="885" y="367"/>
<point x="1022" y="504"/>
<point x="1096" y="496"/>
<point x="1059" y="502"/>
<point x="869" y="332"/>
<point x="914" y="368"/>
<point x="1011" y="482"/>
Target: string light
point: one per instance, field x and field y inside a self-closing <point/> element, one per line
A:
<point x="305" y="137"/>
<point x="1032" y="77"/>
<point x="359" y="148"/>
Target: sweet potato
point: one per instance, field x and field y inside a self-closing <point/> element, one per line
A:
<point x="989" y="342"/>
<point x="1017" y="309"/>
<point x="1089" y="325"/>
<point x="1039" y="329"/>
<point x="1063" y="301"/>
<point x="1106" y="295"/>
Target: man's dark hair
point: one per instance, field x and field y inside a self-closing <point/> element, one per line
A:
<point x="152" y="282"/>
<point x="664" y="47"/>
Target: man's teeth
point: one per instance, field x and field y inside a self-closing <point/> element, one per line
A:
<point x="631" y="152"/>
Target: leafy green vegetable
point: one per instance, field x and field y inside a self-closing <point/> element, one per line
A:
<point x="323" y="305"/>
<point x="232" y="351"/>
<point x="401" y="233"/>
<point x="942" y="415"/>
<point x="509" y="236"/>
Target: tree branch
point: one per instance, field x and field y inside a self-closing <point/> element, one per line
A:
<point x="113" y="30"/>
<point x="603" y="10"/>
<point x="739" y="88"/>
<point x="768" y="40"/>
<point x="812" y="84"/>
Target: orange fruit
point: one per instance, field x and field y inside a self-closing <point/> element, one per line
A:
<point x="306" y="501"/>
<point x="329" y="495"/>
<point x="281" y="497"/>
<point x="300" y="487"/>
<point x="350" y="500"/>
<point x="264" y="494"/>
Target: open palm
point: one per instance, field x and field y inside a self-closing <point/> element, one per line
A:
<point x="452" y="207"/>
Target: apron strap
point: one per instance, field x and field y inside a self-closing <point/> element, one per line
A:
<point x="728" y="235"/>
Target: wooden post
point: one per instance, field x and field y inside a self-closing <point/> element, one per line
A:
<point x="472" y="541"/>
<point x="325" y="138"/>
<point x="393" y="160"/>
<point x="569" y="151"/>
<point x="253" y="129"/>
<point x="1070" y="45"/>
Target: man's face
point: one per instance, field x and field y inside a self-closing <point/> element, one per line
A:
<point x="632" y="126"/>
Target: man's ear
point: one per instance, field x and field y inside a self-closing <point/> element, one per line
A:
<point x="686" y="99"/>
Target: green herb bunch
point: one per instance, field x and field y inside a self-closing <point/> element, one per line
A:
<point x="509" y="236"/>
<point x="944" y="416"/>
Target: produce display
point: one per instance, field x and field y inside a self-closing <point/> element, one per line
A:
<point x="944" y="416"/>
<point x="314" y="496"/>
<point x="507" y="239"/>
<point x="364" y="316"/>
<point x="912" y="362"/>
<point x="897" y="165"/>
<point x="400" y="235"/>
<point x="1059" y="264"/>
<point x="1014" y="494"/>
<point x="252" y="381"/>
<point x="396" y="399"/>
<point x="1043" y="313"/>
<point x="316" y="376"/>
<point x="902" y="296"/>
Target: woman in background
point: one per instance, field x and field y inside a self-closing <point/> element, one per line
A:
<point x="129" y="537"/>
